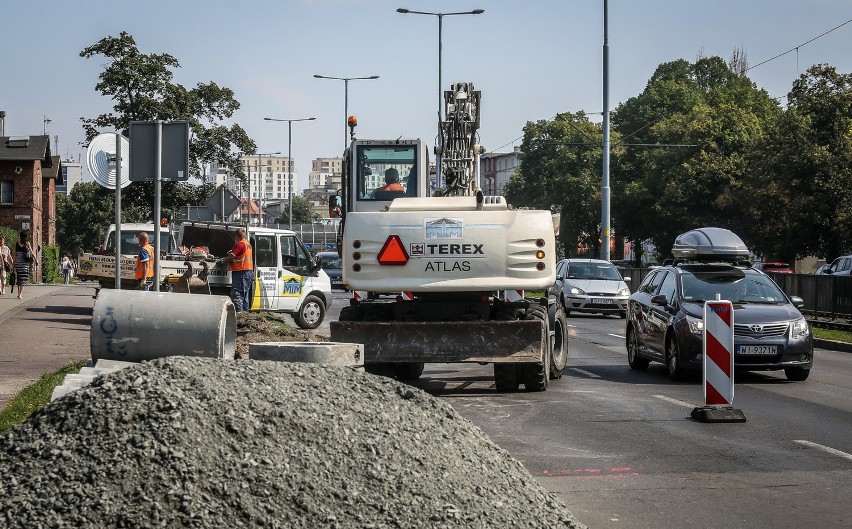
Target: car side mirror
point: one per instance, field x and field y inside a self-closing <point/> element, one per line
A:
<point x="626" y="279"/>
<point x="797" y="301"/>
<point x="660" y="299"/>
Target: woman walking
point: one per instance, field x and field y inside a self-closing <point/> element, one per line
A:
<point x="6" y="266"/>
<point x="23" y="258"/>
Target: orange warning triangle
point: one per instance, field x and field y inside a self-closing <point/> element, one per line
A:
<point x="393" y="252"/>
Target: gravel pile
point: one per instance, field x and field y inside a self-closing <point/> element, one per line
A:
<point x="193" y="442"/>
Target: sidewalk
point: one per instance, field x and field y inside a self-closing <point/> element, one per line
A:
<point x="46" y="330"/>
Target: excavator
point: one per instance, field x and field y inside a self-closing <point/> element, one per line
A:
<point x="439" y="270"/>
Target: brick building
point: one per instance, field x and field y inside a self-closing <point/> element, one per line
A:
<point x="28" y="177"/>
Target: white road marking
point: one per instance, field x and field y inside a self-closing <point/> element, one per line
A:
<point x="674" y="401"/>
<point x="617" y="335"/>
<point x="584" y="372"/>
<point x="824" y="448"/>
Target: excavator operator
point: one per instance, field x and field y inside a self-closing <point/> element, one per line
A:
<point x="391" y="181"/>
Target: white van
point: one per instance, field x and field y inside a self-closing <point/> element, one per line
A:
<point x="287" y="278"/>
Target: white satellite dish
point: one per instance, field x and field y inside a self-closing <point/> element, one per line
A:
<point x="101" y="159"/>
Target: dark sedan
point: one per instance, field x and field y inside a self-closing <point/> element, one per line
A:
<point x="666" y="320"/>
<point x="333" y="266"/>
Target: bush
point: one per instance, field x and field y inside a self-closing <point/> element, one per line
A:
<point x="50" y="264"/>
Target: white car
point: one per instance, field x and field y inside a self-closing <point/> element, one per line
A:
<point x="590" y="286"/>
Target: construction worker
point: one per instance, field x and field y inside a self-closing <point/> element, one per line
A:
<point x="240" y="262"/>
<point x="144" y="262"/>
<point x="391" y="181"/>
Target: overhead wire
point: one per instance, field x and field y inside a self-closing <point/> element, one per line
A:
<point x="796" y="48"/>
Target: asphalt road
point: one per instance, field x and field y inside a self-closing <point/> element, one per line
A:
<point x="620" y="449"/>
<point x="616" y="445"/>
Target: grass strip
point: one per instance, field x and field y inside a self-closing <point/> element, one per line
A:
<point x="35" y="396"/>
<point x="830" y="334"/>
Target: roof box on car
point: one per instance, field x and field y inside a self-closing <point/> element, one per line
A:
<point x="710" y="244"/>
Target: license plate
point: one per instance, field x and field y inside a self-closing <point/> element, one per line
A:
<point x="602" y="301"/>
<point x="757" y="349"/>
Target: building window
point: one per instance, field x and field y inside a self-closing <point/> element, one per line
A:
<point x="7" y="193"/>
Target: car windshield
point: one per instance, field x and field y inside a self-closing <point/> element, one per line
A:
<point x="732" y="285"/>
<point x="593" y="271"/>
<point x="330" y="261"/>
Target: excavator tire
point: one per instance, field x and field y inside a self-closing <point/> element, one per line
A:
<point x="506" y="378"/>
<point x="536" y="376"/>
<point x="559" y="342"/>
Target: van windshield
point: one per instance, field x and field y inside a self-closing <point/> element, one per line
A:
<point x="129" y="244"/>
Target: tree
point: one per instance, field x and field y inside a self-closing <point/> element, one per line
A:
<point x="804" y="178"/>
<point x="689" y="132"/>
<point x="142" y="88"/>
<point x="84" y="214"/>
<point x="561" y="172"/>
<point x="303" y="212"/>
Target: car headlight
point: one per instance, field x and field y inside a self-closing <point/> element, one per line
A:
<point x="800" y="328"/>
<point x="696" y="325"/>
<point x="624" y="292"/>
<point x="577" y="290"/>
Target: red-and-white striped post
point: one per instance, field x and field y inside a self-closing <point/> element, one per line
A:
<point x="718" y="353"/>
<point x="513" y="295"/>
<point x="718" y="364"/>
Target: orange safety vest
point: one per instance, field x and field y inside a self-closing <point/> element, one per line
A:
<point x="140" y="266"/>
<point x="244" y="262"/>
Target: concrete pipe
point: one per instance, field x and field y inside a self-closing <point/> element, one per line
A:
<point x="133" y="326"/>
<point x="329" y="353"/>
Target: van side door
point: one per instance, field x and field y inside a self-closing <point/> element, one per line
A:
<point x="265" y="294"/>
<point x="293" y="273"/>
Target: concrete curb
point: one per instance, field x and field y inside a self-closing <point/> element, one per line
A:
<point x="832" y="345"/>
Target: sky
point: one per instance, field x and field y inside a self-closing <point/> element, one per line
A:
<point x="531" y="59"/>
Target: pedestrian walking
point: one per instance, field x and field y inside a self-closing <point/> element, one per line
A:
<point x="6" y="268"/>
<point x="67" y="269"/>
<point x="22" y="261"/>
<point x="240" y="261"/>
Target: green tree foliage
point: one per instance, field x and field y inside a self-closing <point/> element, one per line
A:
<point x="687" y="140"/>
<point x="142" y="89"/>
<point x="561" y="172"/>
<point x="803" y="176"/>
<point x="303" y="212"/>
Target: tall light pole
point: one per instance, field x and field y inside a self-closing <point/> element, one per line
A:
<point x="440" y="85"/>
<point x="605" y="216"/>
<point x="290" y="160"/>
<point x="345" y="98"/>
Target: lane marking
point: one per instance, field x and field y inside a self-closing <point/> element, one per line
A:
<point x="584" y="372"/>
<point x="832" y="451"/>
<point x="617" y="335"/>
<point x="674" y="401"/>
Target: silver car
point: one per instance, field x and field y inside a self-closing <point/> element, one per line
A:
<point x="591" y="286"/>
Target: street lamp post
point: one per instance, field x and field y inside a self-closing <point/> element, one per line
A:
<point x="345" y="97"/>
<point x="290" y="160"/>
<point x="440" y="85"/>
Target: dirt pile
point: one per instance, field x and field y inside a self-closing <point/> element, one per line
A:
<point x="183" y="442"/>
<point x="259" y="327"/>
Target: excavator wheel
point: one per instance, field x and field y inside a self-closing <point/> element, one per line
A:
<point x="559" y="341"/>
<point x="506" y="377"/>
<point x="536" y="376"/>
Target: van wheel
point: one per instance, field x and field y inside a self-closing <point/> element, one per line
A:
<point x="310" y="314"/>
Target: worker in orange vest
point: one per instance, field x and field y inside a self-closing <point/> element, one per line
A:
<point x="240" y="262"/>
<point x="144" y="262"/>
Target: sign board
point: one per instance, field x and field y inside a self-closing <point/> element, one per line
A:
<point x="174" y="162"/>
<point x="201" y="213"/>
<point x="22" y="217"/>
<point x="223" y="201"/>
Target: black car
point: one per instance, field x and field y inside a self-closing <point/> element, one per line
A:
<point x="666" y="318"/>
<point x="333" y="266"/>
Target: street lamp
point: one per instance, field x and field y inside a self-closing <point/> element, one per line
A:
<point x="290" y="159"/>
<point x="440" y="86"/>
<point x="345" y="97"/>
